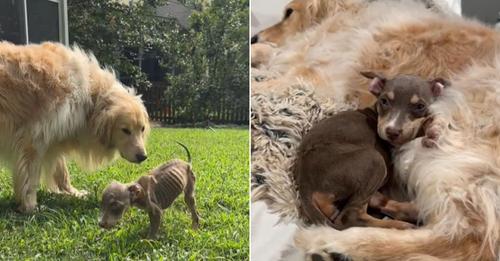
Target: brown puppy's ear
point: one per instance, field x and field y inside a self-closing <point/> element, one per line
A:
<point x="437" y="86"/>
<point x="136" y="192"/>
<point x="377" y="84"/>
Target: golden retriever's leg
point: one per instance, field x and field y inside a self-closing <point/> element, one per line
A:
<point x="59" y="182"/>
<point x="26" y="180"/>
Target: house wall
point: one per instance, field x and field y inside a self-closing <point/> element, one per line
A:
<point x="484" y="10"/>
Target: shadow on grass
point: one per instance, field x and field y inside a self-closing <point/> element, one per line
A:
<point x="50" y="206"/>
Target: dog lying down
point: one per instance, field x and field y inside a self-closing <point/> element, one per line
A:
<point x="342" y="163"/>
<point x="153" y="193"/>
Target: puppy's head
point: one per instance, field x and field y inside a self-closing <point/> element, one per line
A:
<point x="123" y="124"/>
<point x="116" y="199"/>
<point x="297" y="17"/>
<point x="403" y="104"/>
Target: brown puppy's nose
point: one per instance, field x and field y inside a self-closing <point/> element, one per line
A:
<point x="141" y="157"/>
<point x="254" y="39"/>
<point x="393" y="133"/>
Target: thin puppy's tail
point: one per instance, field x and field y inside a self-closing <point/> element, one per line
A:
<point x="187" y="151"/>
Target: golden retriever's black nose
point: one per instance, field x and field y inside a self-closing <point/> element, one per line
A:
<point x="254" y="39"/>
<point x="141" y="157"/>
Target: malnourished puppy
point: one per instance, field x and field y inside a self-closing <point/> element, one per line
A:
<point x="152" y="192"/>
<point x="345" y="159"/>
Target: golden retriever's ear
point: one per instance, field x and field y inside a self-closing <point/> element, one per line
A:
<point x="104" y="127"/>
<point x="103" y="121"/>
<point x="320" y="9"/>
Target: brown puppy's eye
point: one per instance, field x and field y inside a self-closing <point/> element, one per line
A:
<point x="126" y="131"/>
<point x="288" y="12"/>
<point x="420" y="107"/>
<point x="384" y="102"/>
<point x="143" y="128"/>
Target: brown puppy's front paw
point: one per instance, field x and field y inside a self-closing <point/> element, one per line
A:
<point x="431" y="137"/>
<point x="151" y="236"/>
<point x="434" y="129"/>
<point x="195" y="226"/>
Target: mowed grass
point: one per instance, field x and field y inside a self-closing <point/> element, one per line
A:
<point x="66" y="228"/>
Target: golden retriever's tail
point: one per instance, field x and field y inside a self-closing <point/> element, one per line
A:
<point x="187" y="152"/>
<point x="377" y="244"/>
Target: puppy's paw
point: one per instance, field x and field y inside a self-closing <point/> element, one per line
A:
<point x="195" y="226"/>
<point x="431" y="137"/>
<point x="434" y="129"/>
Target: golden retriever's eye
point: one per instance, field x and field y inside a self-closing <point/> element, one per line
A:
<point x="288" y="12"/>
<point x="126" y="131"/>
<point x="142" y="129"/>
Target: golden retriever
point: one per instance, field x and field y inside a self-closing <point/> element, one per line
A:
<point x="407" y="39"/>
<point x="300" y="15"/>
<point x="55" y="102"/>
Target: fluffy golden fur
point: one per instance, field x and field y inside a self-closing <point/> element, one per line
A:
<point x="56" y="102"/>
<point x="407" y="39"/>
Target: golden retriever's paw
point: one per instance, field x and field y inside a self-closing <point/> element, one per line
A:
<point x="311" y="238"/>
<point x="80" y="193"/>
<point x="74" y="192"/>
<point x="26" y="208"/>
<point x="321" y="243"/>
<point x="324" y="256"/>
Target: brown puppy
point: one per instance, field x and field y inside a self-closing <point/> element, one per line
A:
<point x="152" y="192"/>
<point x="342" y="161"/>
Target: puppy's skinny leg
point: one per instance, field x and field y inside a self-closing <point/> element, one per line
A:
<point x="191" y="203"/>
<point x="26" y="180"/>
<point x="61" y="180"/>
<point x="155" y="219"/>
<point x="358" y="217"/>
<point x="405" y="211"/>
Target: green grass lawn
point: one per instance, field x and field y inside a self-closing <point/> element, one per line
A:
<point x="66" y="228"/>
